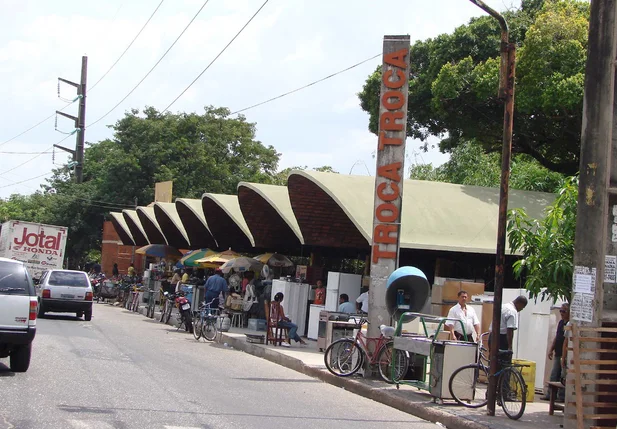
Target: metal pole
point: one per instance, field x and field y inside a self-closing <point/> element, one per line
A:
<point x="506" y="93"/>
<point x="81" y="122"/>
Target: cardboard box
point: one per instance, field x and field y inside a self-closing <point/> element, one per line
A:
<point x="436" y="294"/>
<point x="473" y="289"/>
<point x="441" y="309"/>
<point x="450" y="291"/>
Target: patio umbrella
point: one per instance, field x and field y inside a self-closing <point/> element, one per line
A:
<point x="216" y="260"/>
<point x="274" y="260"/>
<point x="188" y="260"/>
<point x="241" y="264"/>
<point x="160" y="251"/>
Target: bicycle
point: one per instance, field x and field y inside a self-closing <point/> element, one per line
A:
<point x="151" y="304"/>
<point x="346" y="356"/>
<point x="135" y="298"/>
<point x="168" y="306"/>
<point x="205" y="322"/>
<point x="162" y="302"/>
<point x="469" y="384"/>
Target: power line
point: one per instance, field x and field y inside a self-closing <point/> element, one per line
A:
<point x="25" y="180"/>
<point x="128" y="47"/>
<point x="33" y="158"/>
<point x="215" y="58"/>
<point x="306" y="86"/>
<point x="153" y="67"/>
<point x="23" y="153"/>
<point x="34" y="126"/>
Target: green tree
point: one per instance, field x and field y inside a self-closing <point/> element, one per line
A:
<point x="454" y="81"/>
<point x="281" y="177"/>
<point x="546" y="245"/>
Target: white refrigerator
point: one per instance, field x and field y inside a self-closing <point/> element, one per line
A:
<point x="339" y="283"/>
<point x="295" y="301"/>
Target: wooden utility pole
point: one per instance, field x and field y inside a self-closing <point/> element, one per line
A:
<point x="80" y="121"/>
<point x="596" y="223"/>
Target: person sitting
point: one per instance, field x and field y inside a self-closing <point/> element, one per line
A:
<point x="285" y="322"/>
<point x="344" y="305"/>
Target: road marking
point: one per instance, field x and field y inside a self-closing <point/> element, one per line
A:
<point x="91" y="424"/>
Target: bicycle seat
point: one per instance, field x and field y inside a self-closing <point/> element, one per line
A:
<point x="387" y="331"/>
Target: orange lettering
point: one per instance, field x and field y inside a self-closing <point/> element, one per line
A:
<point x="379" y="254"/>
<point x="397" y="59"/>
<point x="387" y="121"/>
<point x="388" y="197"/>
<point x="386" y="207"/>
<point x="382" y="234"/>
<point x="383" y="140"/>
<point x="393" y="84"/>
<point x="385" y="100"/>
<point x="390" y="171"/>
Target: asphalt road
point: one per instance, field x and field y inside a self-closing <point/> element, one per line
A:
<point x="122" y="370"/>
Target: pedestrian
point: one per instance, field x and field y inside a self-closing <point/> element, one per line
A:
<point x="509" y="322"/>
<point x="362" y="303"/>
<point x="556" y="351"/>
<point x="320" y="294"/>
<point x="114" y="271"/>
<point x="467" y="315"/>
<point x="131" y="270"/>
<point x="344" y="305"/>
<point x="285" y="322"/>
<point x="214" y="286"/>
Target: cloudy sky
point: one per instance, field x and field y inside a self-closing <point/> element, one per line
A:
<point x="289" y="44"/>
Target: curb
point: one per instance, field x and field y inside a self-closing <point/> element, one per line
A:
<point x="451" y="421"/>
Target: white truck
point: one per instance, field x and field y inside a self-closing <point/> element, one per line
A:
<point x="40" y="247"/>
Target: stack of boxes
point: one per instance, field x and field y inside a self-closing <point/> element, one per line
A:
<point x="445" y="294"/>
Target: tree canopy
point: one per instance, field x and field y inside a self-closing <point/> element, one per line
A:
<point x="455" y="77"/>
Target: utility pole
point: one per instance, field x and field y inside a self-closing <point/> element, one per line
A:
<point x="594" y="297"/>
<point x="506" y="94"/>
<point x="80" y="121"/>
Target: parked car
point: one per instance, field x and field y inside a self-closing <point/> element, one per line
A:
<point x="65" y="291"/>
<point x="18" y="307"/>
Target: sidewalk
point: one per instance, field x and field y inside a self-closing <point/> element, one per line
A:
<point x="310" y="361"/>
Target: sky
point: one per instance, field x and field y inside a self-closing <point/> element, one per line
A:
<point x="289" y="44"/>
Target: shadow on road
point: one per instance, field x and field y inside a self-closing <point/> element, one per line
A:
<point x="60" y="317"/>
<point x="5" y="371"/>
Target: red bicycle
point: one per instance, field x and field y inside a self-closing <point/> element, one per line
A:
<point x="346" y="356"/>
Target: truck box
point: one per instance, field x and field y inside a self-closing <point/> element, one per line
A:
<point x="40" y="247"/>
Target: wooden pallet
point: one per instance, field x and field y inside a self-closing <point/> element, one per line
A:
<point x="600" y="405"/>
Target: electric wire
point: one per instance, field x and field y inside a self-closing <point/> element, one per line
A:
<point x="26" y="180"/>
<point x="24" y="153"/>
<point x="307" y="85"/>
<point x="153" y="67"/>
<point x="127" y="48"/>
<point x="33" y="158"/>
<point x="216" y="58"/>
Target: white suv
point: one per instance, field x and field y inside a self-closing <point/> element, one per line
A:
<point x="18" y="306"/>
<point x="65" y="291"/>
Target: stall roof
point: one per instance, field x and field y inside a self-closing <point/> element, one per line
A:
<point x="137" y="231"/>
<point x="226" y="222"/>
<point x="192" y="216"/>
<point x="151" y="225"/>
<point x="269" y="216"/>
<point x="122" y="229"/>
<point x="171" y="225"/>
<point x="435" y="215"/>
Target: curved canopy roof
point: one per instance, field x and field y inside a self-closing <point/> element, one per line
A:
<point x="269" y="216"/>
<point x="192" y="216"/>
<point x="151" y="225"/>
<point x="226" y="222"/>
<point x="337" y="210"/>
<point x="122" y="229"/>
<point x="171" y="225"/>
<point x="137" y="231"/>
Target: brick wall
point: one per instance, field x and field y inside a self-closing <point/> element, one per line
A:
<point x="224" y="229"/>
<point x="113" y="252"/>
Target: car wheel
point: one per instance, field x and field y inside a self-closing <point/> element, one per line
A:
<point x="20" y="358"/>
<point x="41" y="312"/>
<point x="88" y="315"/>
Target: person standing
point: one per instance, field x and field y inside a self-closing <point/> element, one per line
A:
<point x="320" y="294"/>
<point x="344" y="305"/>
<point x="114" y="271"/>
<point x="555" y="352"/>
<point x="131" y="270"/>
<point x="509" y="321"/>
<point x="214" y="286"/>
<point x="362" y="303"/>
<point x="467" y="315"/>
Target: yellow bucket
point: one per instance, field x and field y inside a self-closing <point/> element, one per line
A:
<point x="529" y="376"/>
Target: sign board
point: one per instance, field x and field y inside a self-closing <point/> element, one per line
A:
<point x="163" y="192"/>
<point x="389" y="176"/>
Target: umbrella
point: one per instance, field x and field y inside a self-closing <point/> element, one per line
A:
<point x="242" y="264"/>
<point x="213" y="261"/>
<point x="188" y="260"/>
<point x="160" y="251"/>
<point x="274" y="260"/>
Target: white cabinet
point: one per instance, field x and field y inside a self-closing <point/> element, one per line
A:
<point x="313" y="327"/>
<point x="295" y="301"/>
<point x="339" y="283"/>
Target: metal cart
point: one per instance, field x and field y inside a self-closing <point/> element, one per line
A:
<point x="432" y="360"/>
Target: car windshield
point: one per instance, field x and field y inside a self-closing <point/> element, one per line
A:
<point x="14" y="279"/>
<point x="64" y="278"/>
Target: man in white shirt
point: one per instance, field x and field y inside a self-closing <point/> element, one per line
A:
<point x="509" y="321"/>
<point x="467" y="315"/>
<point x="362" y="302"/>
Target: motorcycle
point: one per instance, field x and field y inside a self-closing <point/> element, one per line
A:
<point x="96" y="280"/>
<point x="184" y="307"/>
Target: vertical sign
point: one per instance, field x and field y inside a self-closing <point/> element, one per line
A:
<point x="390" y="175"/>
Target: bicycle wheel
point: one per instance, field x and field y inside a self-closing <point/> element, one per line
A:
<point x="469" y="386"/>
<point x="163" y="311"/>
<point x="388" y="366"/>
<point x="209" y="329"/>
<point x="197" y="327"/>
<point x="512" y="393"/>
<point x="343" y="357"/>
<point x="168" y="311"/>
